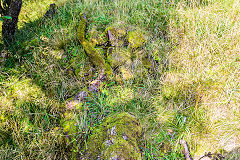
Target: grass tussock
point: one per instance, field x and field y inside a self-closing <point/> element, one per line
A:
<point x="193" y="93"/>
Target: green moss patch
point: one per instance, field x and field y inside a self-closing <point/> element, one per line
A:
<point x="116" y="137"/>
<point x="135" y="39"/>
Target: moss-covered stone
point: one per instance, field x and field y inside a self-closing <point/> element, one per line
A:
<point x="69" y="126"/>
<point x="116" y="138"/>
<point x="82" y="28"/>
<point x="69" y="123"/>
<point x="135" y="39"/>
<point x="94" y="55"/>
<point x="116" y="36"/>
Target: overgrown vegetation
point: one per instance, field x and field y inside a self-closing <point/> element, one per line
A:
<point x="193" y="92"/>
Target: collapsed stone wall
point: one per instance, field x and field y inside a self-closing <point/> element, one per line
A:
<point x="118" y="52"/>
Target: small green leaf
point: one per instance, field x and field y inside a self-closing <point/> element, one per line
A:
<point x="1" y="19"/>
<point x="7" y="17"/>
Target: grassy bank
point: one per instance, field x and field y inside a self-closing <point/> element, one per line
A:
<point x="193" y="93"/>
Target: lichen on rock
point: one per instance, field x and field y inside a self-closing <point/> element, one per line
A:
<point x="116" y="138"/>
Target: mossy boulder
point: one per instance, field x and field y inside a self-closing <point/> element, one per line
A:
<point x="135" y="39"/>
<point x="69" y="123"/>
<point x="70" y="129"/>
<point x="116" y="138"/>
<point x="116" y="36"/>
<point x="94" y="55"/>
<point x="120" y="59"/>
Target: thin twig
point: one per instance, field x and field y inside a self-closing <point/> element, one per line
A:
<point x="186" y="151"/>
